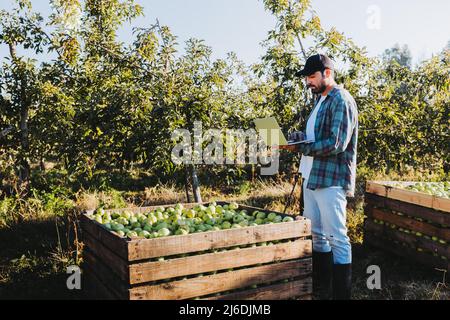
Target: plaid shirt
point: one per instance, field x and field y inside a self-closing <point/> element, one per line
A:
<point x="334" y="149"/>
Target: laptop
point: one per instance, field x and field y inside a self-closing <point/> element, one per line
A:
<point x="271" y="133"/>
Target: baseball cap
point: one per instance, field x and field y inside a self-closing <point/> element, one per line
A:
<point x="318" y="62"/>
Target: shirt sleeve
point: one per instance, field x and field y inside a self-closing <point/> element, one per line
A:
<point x="340" y="133"/>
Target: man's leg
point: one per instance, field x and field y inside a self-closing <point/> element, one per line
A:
<point x="332" y="204"/>
<point x="322" y="255"/>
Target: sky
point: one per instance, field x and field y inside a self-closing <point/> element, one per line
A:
<point x="241" y="25"/>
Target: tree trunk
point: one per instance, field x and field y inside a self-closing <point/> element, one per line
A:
<point x="196" y="185"/>
<point x="25" y="102"/>
<point x="186" y="184"/>
<point x="24" y="171"/>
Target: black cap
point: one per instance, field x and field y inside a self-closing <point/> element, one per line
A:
<point x="318" y="62"/>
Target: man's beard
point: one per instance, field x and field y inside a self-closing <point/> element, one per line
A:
<point x="318" y="90"/>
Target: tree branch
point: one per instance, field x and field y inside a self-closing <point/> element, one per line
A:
<point x="6" y="131"/>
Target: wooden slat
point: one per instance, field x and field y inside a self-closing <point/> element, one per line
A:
<point x="196" y="287"/>
<point x="424" y="258"/>
<point x="412" y="240"/>
<point x="282" y="291"/>
<point x="408" y="223"/>
<point x="140" y="249"/>
<point x="412" y="210"/>
<point x="110" y="240"/>
<point x="117" y="264"/>
<point x="94" y="289"/>
<point x="151" y="271"/>
<point x="93" y="264"/>
<point x="418" y="198"/>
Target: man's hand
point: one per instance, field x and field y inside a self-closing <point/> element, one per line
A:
<point x="297" y="136"/>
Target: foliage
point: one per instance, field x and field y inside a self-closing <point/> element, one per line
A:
<point x="102" y="106"/>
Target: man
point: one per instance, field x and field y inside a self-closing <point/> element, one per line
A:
<point x="328" y="167"/>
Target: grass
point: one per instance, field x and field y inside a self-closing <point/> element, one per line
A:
<point x="41" y="241"/>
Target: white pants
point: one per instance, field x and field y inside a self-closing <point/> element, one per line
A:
<point x="326" y="208"/>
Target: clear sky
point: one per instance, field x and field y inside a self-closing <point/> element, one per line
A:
<point x="241" y="25"/>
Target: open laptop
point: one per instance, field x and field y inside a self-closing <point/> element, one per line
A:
<point x="270" y="132"/>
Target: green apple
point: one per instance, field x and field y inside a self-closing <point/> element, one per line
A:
<point x="123" y="221"/>
<point x="144" y="234"/>
<point x="261" y="215"/>
<point x="151" y="220"/>
<point x="117" y="226"/>
<point x="181" y="232"/>
<point x="278" y="219"/>
<point x="120" y="233"/>
<point x="259" y="221"/>
<point x="226" y="225"/>
<point x="228" y="215"/>
<point x="126" y="214"/>
<point x="211" y="210"/>
<point x="200" y="228"/>
<point x="190" y="213"/>
<point x="288" y="219"/>
<point x="272" y="216"/>
<point x="132" y="234"/>
<point x="234" y="206"/>
<point x="161" y="225"/>
<point x="164" y="232"/>
<point x="135" y="225"/>
<point x="243" y="223"/>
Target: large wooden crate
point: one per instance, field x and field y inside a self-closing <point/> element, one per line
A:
<point x="407" y="223"/>
<point x="121" y="268"/>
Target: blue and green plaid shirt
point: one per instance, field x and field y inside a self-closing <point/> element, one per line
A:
<point x="334" y="149"/>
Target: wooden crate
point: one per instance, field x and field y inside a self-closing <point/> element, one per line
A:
<point x="122" y="268"/>
<point x="407" y="223"/>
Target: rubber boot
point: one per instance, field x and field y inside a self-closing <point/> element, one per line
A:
<point x="322" y="275"/>
<point x="342" y="281"/>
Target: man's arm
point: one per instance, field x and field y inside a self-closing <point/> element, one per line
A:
<point x="342" y="124"/>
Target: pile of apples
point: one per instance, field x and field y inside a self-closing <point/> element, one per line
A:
<point x="177" y="220"/>
<point x="438" y="189"/>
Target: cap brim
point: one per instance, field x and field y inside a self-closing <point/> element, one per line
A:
<point x="303" y="73"/>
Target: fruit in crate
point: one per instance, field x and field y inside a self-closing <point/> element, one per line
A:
<point x="177" y="220"/>
<point x="438" y="189"/>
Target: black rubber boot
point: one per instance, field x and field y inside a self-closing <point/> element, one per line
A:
<point x="322" y="275"/>
<point x="342" y="281"/>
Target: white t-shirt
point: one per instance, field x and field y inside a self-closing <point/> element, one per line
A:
<point x="307" y="162"/>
